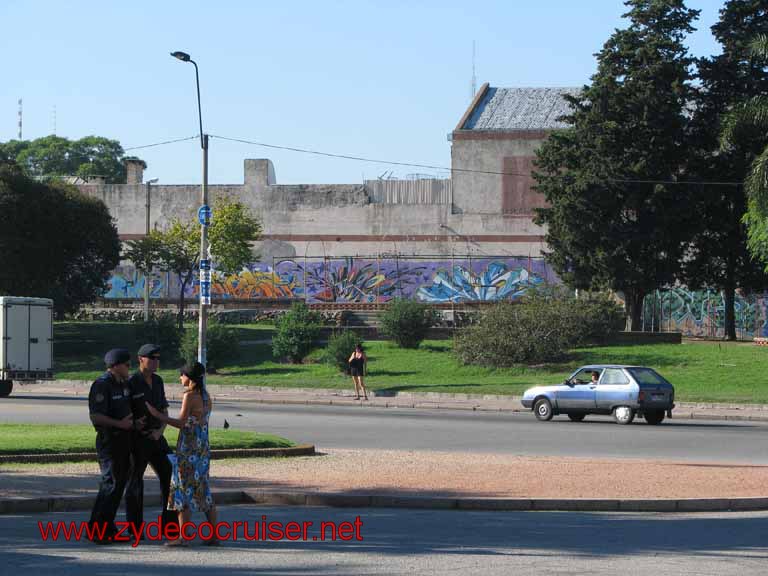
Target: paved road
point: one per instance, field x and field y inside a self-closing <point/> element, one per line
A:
<point x="418" y="542"/>
<point x="460" y="431"/>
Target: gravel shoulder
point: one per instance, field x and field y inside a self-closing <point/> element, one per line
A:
<point x="433" y="474"/>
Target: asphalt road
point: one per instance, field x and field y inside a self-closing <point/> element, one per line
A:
<point x="415" y="542"/>
<point x="455" y="431"/>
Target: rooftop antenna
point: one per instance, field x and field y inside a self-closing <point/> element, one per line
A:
<point x="474" y="78"/>
<point x="20" y="111"/>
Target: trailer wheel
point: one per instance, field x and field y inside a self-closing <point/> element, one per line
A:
<point x="5" y="388"/>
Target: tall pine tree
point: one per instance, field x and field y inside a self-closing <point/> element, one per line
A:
<point x="613" y="221"/>
<point x="719" y="257"/>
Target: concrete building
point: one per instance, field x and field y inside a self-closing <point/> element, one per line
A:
<point x="477" y="224"/>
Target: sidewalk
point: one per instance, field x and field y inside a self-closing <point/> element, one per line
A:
<point x="413" y="479"/>
<point x="387" y="399"/>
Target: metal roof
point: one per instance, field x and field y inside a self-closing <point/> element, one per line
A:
<point x="519" y="109"/>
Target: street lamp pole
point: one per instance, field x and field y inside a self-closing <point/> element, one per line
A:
<point x="204" y="217"/>
<point x="147" y="272"/>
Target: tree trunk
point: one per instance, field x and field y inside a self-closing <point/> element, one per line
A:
<point x="729" y="293"/>
<point x="634" y="307"/>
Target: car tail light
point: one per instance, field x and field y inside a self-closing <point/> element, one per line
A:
<point x="641" y="396"/>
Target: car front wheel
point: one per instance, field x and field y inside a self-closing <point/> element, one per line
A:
<point x="623" y="414"/>
<point x="543" y="410"/>
<point x="654" y="417"/>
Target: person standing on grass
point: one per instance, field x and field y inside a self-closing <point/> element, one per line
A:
<point x="149" y="444"/>
<point x="109" y="405"/>
<point x="190" y="487"/>
<point x="358" y="364"/>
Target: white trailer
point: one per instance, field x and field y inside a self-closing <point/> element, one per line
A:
<point x="26" y="340"/>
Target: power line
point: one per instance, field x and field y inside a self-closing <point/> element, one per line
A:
<point x="162" y="143"/>
<point x="464" y="170"/>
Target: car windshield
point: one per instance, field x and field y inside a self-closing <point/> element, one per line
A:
<point x="647" y="376"/>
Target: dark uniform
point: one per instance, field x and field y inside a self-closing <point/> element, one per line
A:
<point x="113" y="446"/>
<point x="146" y="450"/>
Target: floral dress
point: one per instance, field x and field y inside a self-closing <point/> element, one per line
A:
<point x="190" y="488"/>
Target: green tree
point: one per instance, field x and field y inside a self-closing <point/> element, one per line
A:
<point x="740" y="123"/>
<point x="610" y="222"/>
<point x="55" y="242"/>
<point x="177" y="249"/>
<point x="719" y="257"/>
<point x="57" y="156"/>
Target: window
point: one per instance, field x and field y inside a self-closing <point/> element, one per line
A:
<point x="614" y="376"/>
<point x="647" y="376"/>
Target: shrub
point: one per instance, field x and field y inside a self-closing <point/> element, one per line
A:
<point x="163" y="331"/>
<point x="296" y="333"/>
<point x="542" y="328"/>
<point x="339" y="349"/>
<point x="406" y="322"/>
<point x="222" y="346"/>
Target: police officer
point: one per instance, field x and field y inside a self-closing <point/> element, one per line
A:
<point x="149" y="444"/>
<point x="109" y="403"/>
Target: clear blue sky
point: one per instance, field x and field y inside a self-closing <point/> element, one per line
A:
<point x="387" y="79"/>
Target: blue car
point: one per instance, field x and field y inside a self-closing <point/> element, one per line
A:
<point x="623" y="391"/>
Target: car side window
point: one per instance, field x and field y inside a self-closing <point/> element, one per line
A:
<point x="613" y="376"/>
<point x="582" y="377"/>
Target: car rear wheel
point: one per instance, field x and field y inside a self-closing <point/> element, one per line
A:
<point x="543" y="410"/>
<point x="654" y="417"/>
<point x="5" y="387"/>
<point x="576" y="417"/>
<point x="623" y="414"/>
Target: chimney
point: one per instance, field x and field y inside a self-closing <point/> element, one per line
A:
<point x="134" y="170"/>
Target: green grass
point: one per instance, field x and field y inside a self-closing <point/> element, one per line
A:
<point x="64" y="438"/>
<point x="700" y="371"/>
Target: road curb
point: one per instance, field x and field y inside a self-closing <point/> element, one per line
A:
<point x="300" y="450"/>
<point x="27" y="505"/>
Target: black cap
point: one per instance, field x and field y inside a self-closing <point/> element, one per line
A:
<point x="149" y="350"/>
<point x="116" y="356"/>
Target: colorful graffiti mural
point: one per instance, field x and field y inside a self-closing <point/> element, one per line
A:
<point x="344" y="280"/>
<point x="702" y="313"/>
<point x="495" y="282"/>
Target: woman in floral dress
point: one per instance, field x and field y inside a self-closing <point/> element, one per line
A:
<point x="190" y="489"/>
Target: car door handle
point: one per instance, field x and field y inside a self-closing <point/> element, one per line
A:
<point x="592" y="387"/>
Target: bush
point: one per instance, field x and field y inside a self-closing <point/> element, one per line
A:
<point x="163" y="331"/>
<point x="542" y="328"/>
<point x="406" y="322"/>
<point x="222" y="346"/>
<point x="297" y="331"/>
<point x="339" y="349"/>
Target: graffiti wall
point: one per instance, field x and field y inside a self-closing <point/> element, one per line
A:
<point x="702" y="313"/>
<point x="344" y="280"/>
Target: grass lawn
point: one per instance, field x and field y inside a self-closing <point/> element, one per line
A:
<point x="700" y="371"/>
<point x="68" y="438"/>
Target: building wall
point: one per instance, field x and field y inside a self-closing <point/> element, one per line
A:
<point x="329" y="220"/>
<point x="495" y="153"/>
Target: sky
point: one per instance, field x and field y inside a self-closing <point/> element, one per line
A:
<point x="386" y="79"/>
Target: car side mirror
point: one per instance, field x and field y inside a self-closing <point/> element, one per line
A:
<point x="567" y="382"/>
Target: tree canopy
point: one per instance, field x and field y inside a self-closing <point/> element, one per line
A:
<point x="613" y="220"/>
<point x="718" y="256"/>
<point x="53" y="156"/>
<point x="55" y="242"/>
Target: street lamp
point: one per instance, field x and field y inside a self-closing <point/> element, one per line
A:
<point x="147" y="273"/>
<point x="204" y="216"/>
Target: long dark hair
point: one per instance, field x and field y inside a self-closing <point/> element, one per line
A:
<point x="196" y="372"/>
